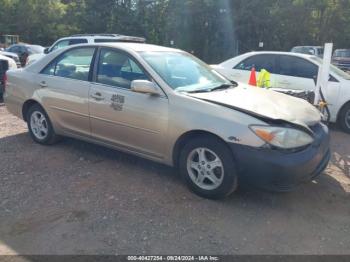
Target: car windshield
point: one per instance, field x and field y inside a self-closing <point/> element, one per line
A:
<point x="342" y="53"/>
<point x="335" y="70"/>
<point x="183" y="72"/>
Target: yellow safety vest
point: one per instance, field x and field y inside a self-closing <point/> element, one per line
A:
<point x="264" y="79"/>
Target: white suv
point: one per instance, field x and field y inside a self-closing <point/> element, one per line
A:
<point x="85" y="39"/>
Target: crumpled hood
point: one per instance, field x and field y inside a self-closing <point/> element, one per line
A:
<point x="265" y="103"/>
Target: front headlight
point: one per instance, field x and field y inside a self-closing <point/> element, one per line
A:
<point x="282" y="137"/>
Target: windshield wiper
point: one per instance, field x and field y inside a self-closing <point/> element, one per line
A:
<point x="224" y="86"/>
<point x="221" y="87"/>
<point x="198" y="91"/>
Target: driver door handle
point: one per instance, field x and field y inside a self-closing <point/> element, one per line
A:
<point x="43" y="84"/>
<point x="97" y="96"/>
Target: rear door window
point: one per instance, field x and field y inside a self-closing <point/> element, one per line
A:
<point x="22" y="49"/>
<point x="101" y="40"/>
<point x="73" y="64"/>
<point x="297" y="50"/>
<point x="266" y="61"/>
<point x="297" y="67"/>
<point x="60" y="45"/>
<point x="76" y="41"/>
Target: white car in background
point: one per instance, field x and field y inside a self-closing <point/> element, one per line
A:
<point x="85" y="39"/>
<point x="11" y="63"/>
<point x="13" y="56"/>
<point x="6" y="63"/>
<point x="297" y="72"/>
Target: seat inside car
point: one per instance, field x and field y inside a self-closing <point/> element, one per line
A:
<point x="115" y="70"/>
<point x="110" y="70"/>
<point x="65" y="70"/>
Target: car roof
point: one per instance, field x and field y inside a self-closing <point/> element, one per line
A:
<point x="104" y="36"/>
<point x="249" y="54"/>
<point x="278" y="53"/>
<point x="128" y="47"/>
<point x="136" y="47"/>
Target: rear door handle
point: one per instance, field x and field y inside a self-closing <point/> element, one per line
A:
<point x="43" y="84"/>
<point x="97" y="96"/>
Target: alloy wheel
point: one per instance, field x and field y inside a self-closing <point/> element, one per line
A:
<point x="205" y="168"/>
<point x="39" y="125"/>
<point x="347" y="118"/>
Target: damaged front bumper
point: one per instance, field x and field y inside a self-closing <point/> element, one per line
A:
<point x="282" y="171"/>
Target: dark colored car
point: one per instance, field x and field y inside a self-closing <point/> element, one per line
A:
<point x="24" y="50"/>
<point x="341" y="59"/>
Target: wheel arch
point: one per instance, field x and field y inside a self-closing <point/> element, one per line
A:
<point x="26" y="105"/>
<point x="341" y="109"/>
<point x="181" y="141"/>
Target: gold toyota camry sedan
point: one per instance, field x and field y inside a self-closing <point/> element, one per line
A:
<point x="166" y="105"/>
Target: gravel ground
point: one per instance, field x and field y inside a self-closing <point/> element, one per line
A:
<point x="79" y="198"/>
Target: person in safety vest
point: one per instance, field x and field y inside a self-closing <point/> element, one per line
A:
<point x="264" y="79"/>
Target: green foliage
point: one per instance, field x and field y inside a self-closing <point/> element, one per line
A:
<point x="211" y="29"/>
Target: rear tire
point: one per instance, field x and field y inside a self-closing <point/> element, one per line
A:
<point x="344" y="118"/>
<point x="207" y="166"/>
<point x="40" y="127"/>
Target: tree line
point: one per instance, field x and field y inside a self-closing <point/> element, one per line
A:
<point x="214" y="30"/>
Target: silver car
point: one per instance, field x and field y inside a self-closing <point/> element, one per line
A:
<point x="166" y="105"/>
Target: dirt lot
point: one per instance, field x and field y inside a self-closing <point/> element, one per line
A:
<point x="78" y="198"/>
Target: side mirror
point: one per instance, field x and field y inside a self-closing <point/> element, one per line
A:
<point x="46" y="50"/>
<point x="144" y="86"/>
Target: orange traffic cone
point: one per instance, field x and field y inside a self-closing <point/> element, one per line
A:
<point x="252" y="79"/>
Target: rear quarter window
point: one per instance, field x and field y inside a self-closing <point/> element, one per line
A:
<point x="297" y="67"/>
<point x="77" y="41"/>
<point x="106" y="40"/>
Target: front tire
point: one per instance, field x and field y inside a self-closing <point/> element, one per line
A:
<point x="39" y="126"/>
<point x="344" y="119"/>
<point x="207" y="166"/>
